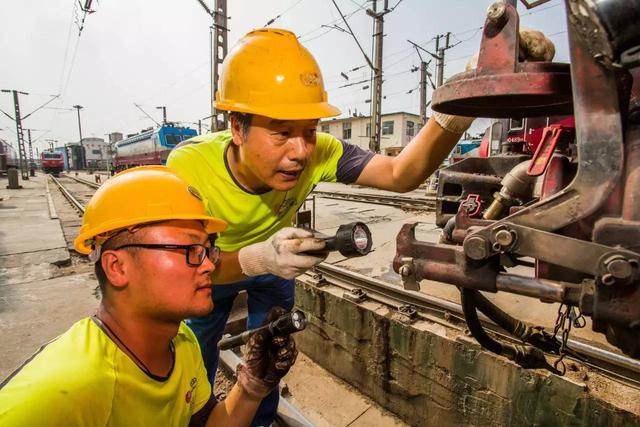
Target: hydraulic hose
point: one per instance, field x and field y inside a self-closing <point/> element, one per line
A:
<point x="528" y="357"/>
<point x="468" y="299"/>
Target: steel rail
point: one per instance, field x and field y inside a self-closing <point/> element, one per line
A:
<point x="76" y="204"/>
<point x="397" y="201"/>
<point x="626" y="368"/>
<point x="83" y="181"/>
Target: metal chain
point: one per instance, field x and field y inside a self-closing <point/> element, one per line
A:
<point x="568" y="316"/>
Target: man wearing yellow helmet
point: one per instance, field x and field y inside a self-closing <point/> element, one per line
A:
<point x="256" y="175"/>
<point x="135" y="362"/>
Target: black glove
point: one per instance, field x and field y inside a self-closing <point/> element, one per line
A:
<point x="268" y="359"/>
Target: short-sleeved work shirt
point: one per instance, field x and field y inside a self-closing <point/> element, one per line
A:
<point x="255" y="217"/>
<point x="82" y="378"/>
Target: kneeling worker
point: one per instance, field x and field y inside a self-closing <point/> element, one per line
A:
<point x="135" y="362"/>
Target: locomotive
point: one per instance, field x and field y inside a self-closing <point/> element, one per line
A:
<point x="151" y="146"/>
<point x="8" y="159"/>
<point x="52" y="162"/>
<point x="566" y="199"/>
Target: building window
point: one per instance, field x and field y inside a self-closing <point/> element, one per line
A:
<point x="411" y="128"/>
<point x="346" y="130"/>
<point x="368" y="130"/>
<point x="387" y="128"/>
<point x="324" y="127"/>
<point x="95" y="151"/>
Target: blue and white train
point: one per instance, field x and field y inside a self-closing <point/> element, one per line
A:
<point x="151" y="146"/>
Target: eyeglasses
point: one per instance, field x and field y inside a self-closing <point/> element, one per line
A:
<point x="195" y="254"/>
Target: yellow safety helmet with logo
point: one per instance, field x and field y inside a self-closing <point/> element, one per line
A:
<point x="271" y="74"/>
<point x="139" y="196"/>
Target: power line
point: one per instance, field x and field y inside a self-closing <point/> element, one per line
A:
<point x="272" y="20"/>
<point x="347" y="16"/>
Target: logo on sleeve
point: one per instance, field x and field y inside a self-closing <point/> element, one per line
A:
<point x="189" y="396"/>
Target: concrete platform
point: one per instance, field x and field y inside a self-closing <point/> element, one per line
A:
<point x="40" y="296"/>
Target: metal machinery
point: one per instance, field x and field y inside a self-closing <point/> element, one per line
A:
<point x="151" y="146"/>
<point x="573" y="206"/>
<point x="8" y="159"/>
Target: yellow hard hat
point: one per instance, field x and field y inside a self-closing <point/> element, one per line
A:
<point x="271" y="74"/>
<point x="138" y="196"/>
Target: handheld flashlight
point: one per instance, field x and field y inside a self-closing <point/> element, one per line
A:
<point x="286" y="324"/>
<point x="351" y="240"/>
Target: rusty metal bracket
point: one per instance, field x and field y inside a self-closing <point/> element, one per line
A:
<point x="580" y="255"/>
<point x="356" y="295"/>
<point x="407" y="314"/>
<point x="600" y="155"/>
<point x="501" y="85"/>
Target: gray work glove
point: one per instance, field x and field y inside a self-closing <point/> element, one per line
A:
<point x="281" y="254"/>
<point x="268" y="358"/>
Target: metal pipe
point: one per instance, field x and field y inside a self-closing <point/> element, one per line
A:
<point x="287" y="413"/>
<point x="545" y="290"/>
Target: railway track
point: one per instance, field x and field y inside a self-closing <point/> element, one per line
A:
<point x="409" y="303"/>
<point x="404" y="202"/>
<point x="77" y="204"/>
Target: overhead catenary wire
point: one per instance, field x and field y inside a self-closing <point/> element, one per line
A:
<point x="278" y="16"/>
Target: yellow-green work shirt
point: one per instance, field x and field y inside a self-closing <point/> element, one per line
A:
<point x="255" y="217"/>
<point x="83" y="379"/>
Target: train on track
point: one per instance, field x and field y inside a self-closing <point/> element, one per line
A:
<point x="151" y="146"/>
<point x="8" y="157"/>
<point x="52" y="162"/>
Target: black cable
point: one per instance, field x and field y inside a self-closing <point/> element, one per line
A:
<point x="468" y="301"/>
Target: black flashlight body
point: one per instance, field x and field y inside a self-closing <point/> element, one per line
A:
<point x="286" y="324"/>
<point x="351" y="240"/>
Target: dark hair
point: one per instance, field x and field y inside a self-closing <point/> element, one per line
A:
<point x="244" y="119"/>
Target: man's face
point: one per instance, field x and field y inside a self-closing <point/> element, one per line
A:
<point x="160" y="282"/>
<point x="275" y="152"/>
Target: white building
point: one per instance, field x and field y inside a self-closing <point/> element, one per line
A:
<point x="96" y="152"/>
<point x="397" y="130"/>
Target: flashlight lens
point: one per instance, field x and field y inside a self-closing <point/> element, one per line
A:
<point x="360" y="238"/>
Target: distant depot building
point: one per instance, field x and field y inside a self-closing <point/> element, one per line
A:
<point x="397" y="130"/>
<point x="97" y="152"/>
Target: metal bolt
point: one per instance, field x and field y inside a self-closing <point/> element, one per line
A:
<point x="504" y="238"/>
<point x="496" y="11"/>
<point x="406" y="270"/>
<point x="619" y="267"/>
<point x="608" y="279"/>
<point x="476" y="247"/>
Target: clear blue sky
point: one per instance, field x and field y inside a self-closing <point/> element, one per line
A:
<point x="157" y="53"/>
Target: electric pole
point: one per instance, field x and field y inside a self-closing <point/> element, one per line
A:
<point x="30" y="149"/>
<point x="376" y="89"/>
<point x="424" y="75"/>
<point x="22" y="155"/>
<point x="164" y="114"/>
<point x="218" y="51"/>
<point x="440" y="58"/>
<point x="423" y="92"/>
<point x="78" y="108"/>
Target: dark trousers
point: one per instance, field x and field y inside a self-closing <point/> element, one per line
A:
<point x="263" y="293"/>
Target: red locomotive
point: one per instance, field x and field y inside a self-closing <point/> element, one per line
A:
<point x="52" y="162"/>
